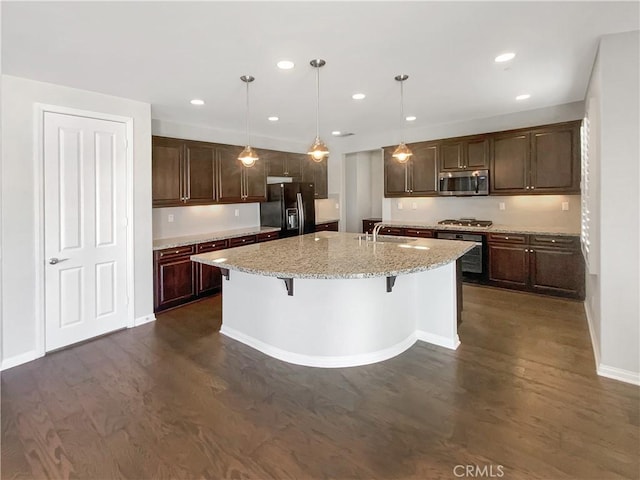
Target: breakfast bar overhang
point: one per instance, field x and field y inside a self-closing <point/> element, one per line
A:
<point x="337" y="300"/>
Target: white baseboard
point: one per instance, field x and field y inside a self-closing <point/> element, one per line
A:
<point x="316" y="361"/>
<point x="607" y="371"/>
<point x="619" y="374"/>
<point x="439" y="340"/>
<point x="142" y="320"/>
<point x="20" y="359"/>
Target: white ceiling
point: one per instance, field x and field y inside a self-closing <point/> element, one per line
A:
<point x="170" y="52"/>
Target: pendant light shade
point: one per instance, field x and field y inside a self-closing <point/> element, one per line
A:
<point x="318" y="149"/>
<point x="248" y="156"/>
<point x="402" y="153"/>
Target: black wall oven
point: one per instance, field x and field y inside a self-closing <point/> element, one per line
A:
<point x="473" y="261"/>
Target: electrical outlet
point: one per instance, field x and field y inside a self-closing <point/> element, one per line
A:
<point x="414" y="206"/>
<point x="236" y="212"/>
<point x="565" y="206"/>
<point x="170" y="218"/>
<point x="502" y="206"/>
<point x="399" y="205"/>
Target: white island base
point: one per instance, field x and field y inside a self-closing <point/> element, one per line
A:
<point x="341" y="322"/>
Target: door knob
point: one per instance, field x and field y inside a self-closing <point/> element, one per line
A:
<point x="54" y="260"/>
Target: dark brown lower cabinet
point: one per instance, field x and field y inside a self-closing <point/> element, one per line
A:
<point x="550" y="265"/>
<point x="209" y="278"/>
<point x="327" y="227"/>
<point x="369" y="223"/>
<point x="175" y="277"/>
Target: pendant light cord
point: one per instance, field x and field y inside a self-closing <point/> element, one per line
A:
<point x="247" y="117"/>
<point x="401" y="111"/>
<point x="317" y="102"/>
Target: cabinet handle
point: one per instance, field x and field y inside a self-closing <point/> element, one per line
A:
<point x="527" y="187"/>
<point x="406" y="180"/>
<point x="532" y="187"/>
<point x="506" y="238"/>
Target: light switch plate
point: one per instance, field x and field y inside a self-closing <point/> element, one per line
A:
<point x="399" y="205"/>
<point x="502" y="206"/>
<point x="565" y="206"/>
<point x="170" y="218"/>
<point x="414" y="206"/>
<point x="236" y="212"/>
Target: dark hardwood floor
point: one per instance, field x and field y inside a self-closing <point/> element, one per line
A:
<point x="175" y="399"/>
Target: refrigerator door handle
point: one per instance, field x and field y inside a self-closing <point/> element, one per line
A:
<point x="301" y="218"/>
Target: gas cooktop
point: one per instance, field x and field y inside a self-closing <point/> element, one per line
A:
<point x="467" y="222"/>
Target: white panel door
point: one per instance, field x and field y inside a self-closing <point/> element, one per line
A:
<point x="85" y="202"/>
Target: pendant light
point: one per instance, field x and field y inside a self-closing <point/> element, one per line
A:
<point x="318" y="149"/>
<point x="402" y="152"/>
<point x="248" y="156"/>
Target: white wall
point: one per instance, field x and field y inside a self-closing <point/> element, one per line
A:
<point x="616" y="80"/>
<point x="522" y="211"/>
<point x="363" y="188"/>
<point x="18" y="187"/>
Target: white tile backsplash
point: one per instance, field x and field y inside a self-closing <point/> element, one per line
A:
<point x="204" y="219"/>
<point x="519" y="210"/>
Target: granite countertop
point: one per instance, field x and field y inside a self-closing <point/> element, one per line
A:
<point x="173" y="242"/>
<point x="492" y="229"/>
<point x="327" y="255"/>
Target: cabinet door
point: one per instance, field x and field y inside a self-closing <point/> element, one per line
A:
<point x="208" y="277"/>
<point x="395" y="176"/>
<point x="294" y="165"/>
<point x="255" y="182"/>
<point x="477" y="154"/>
<point x="555" y="160"/>
<point x="174" y="282"/>
<point x="275" y="161"/>
<point x="230" y="176"/>
<point x="557" y="272"/>
<point x="510" y="163"/>
<point x="200" y="174"/>
<point x="316" y="173"/>
<point x="508" y="265"/>
<point x="167" y="162"/>
<point x="451" y="156"/>
<point x="424" y="166"/>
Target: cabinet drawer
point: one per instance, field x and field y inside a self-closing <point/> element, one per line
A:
<point x="555" y="241"/>
<point x="236" y="242"/>
<point x="418" y="232"/>
<point x="265" y="237"/>
<point x="324" y="227"/>
<point x="211" y="246"/>
<point x="507" y="238"/>
<point x="391" y="231"/>
<point x="175" y="252"/>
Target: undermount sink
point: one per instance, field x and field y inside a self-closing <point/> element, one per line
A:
<point x="386" y="239"/>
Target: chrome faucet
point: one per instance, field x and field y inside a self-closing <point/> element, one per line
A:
<point x="376" y="230"/>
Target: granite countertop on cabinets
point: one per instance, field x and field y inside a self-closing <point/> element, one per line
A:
<point x="328" y="255"/>
<point x="566" y="231"/>
<point x="320" y="221"/>
<point x="161" y="243"/>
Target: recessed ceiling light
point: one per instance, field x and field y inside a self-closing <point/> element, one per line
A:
<point x="524" y="96"/>
<point x="335" y="133"/>
<point x="273" y="119"/>
<point x="410" y="118"/>
<point x="358" y="96"/>
<point x="285" y="64"/>
<point x="197" y="101"/>
<point x="505" y="57"/>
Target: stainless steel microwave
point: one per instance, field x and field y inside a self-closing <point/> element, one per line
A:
<point x="472" y="182"/>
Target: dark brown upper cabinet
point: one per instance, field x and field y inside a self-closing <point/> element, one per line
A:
<point x="316" y="173"/>
<point x="544" y="160"/>
<point x="282" y="164"/>
<point x="200" y="173"/>
<point x="237" y="183"/>
<point x="167" y="177"/>
<point x="469" y="153"/>
<point x="417" y="177"/>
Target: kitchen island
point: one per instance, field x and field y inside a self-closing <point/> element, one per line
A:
<point x="334" y="299"/>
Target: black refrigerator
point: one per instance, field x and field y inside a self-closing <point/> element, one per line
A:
<point x="290" y="207"/>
